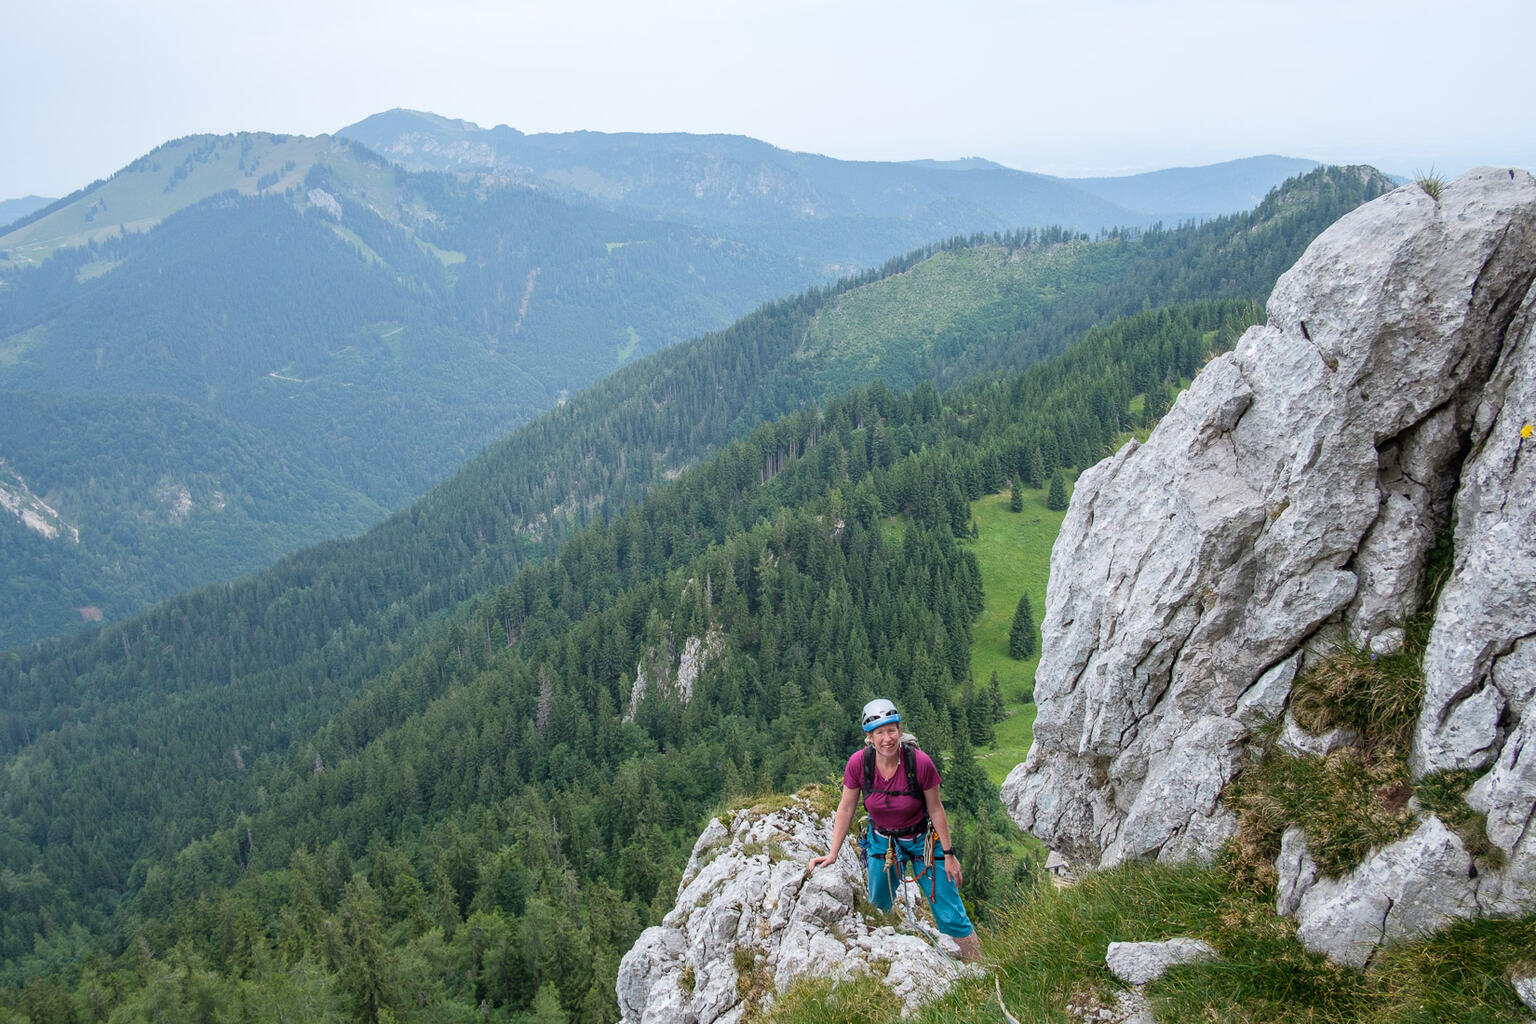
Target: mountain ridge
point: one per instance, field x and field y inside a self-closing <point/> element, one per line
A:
<point x="356" y="315"/>
<point x="305" y="288"/>
<point x="716" y="179"/>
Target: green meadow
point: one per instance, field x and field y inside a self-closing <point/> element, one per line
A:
<point x="1014" y="551"/>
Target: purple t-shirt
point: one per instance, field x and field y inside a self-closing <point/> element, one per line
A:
<point x="890" y="806"/>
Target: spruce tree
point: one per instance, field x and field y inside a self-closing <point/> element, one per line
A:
<point x="1056" y="500"/>
<point x="1015" y="497"/>
<point x="1021" y="638"/>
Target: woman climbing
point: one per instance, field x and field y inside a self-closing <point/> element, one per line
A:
<point x="900" y="786"/>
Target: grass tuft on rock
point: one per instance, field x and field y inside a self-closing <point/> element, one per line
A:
<point x="1377" y="696"/>
<point x="1347" y="803"/>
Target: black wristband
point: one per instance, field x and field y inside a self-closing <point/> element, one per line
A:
<point x="949" y="851"/>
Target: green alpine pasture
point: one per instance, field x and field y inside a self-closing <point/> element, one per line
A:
<point x="1014" y="552"/>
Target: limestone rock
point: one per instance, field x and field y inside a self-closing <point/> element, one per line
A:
<point x="1406" y="890"/>
<point x="1525" y="988"/>
<point x="1130" y="1007"/>
<point x="1297" y="742"/>
<point x="698" y="654"/>
<point x="1137" y="963"/>
<point x="749" y="922"/>
<point x="1288" y="501"/>
<point x="1479" y="667"/>
<point x="1297" y="870"/>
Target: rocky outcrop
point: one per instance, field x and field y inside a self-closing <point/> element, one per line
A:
<point x="1137" y="963"/>
<point x="1404" y="891"/>
<point x="697" y="655"/>
<point x="1288" y="501"/>
<point x="749" y="921"/>
<point x="35" y="514"/>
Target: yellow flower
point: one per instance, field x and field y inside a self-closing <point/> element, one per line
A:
<point x="1525" y="431"/>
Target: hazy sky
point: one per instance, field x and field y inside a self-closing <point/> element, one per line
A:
<point x="1091" y="87"/>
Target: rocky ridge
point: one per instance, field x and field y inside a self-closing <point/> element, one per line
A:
<point x="749" y="921"/>
<point x="1287" y="505"/>
<point x="33" y="512"/>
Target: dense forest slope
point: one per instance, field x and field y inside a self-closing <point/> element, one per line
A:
<point x="495" y="797"/>
<point x="316" y="323"/>
<point x="423" y="707"/>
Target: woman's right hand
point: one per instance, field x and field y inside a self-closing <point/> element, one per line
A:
<point x="822" y="861"/>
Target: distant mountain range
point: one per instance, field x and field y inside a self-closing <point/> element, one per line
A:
<point x="1182" y="193"/>
<point x="240" y="345"/>
<point x="12" y="210"/>
<point x="742" y="184"/>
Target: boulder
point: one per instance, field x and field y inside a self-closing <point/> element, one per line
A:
<point x="1137" y="963"/>
<point x="1288" y="503"/>
<point x="1403" y="891"/>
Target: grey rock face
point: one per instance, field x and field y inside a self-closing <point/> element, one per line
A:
<point x="1404" y="891"/>
<point x="1137" y="963"/>
<point x="1298" y="871"/>
<point x="1288" y="501"/>
<point x="745" y="898"/>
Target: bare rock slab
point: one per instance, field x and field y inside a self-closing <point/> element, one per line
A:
<point x="1137" y="963"/>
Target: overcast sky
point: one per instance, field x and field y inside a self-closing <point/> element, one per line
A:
<point x="1073" y="88"/>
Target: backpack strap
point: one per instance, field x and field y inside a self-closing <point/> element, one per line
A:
<point x="909" y="762"/>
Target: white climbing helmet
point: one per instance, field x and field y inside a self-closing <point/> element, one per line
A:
<point x="879" y="712"/>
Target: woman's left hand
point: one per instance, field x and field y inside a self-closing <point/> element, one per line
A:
<point x="952" y="868"/>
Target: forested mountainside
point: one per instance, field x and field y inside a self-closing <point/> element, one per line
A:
<point x="154" y="764"/>
<point x="363" y="329"/>
<point x="496" y="811"/>
<point x="1016" y="303"/>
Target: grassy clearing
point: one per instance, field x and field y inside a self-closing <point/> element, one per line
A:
<point x="909" y="310"/>
<point x="1014" y="552"/>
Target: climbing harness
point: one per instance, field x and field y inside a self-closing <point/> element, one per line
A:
<point x="893" y="860"/>
<point x="897" y="862"/>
